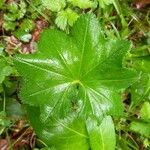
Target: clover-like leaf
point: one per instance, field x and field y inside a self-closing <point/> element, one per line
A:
<point x="77" y="73"/>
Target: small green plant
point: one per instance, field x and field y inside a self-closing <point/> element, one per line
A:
<point x="14" y="13"/>
<point x="76" y="80"/>
<point x="16" y="19"/>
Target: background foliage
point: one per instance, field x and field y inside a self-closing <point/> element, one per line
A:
<point x="21" y="25"/>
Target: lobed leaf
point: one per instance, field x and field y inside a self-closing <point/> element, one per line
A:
<point x="74" y="132"/>
<point x="77" y="73"/>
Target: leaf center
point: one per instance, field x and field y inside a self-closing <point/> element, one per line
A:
<point x="77" y="83"/>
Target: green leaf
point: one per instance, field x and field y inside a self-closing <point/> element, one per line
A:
<point x="22" y="35"/>
<point x="103" y="3"/>
<point x="125" y="144"/>
<point x="1" y="48"/>
<point x="8" y="25"/>
<point x="145" y="111"/>
<point x="141" y="127"/>
<point x="140" y="90"/>
<point x="83" y="4"/>
<point x="54" y="5"/>
<point x="117" y="6"/>
<point x="98" y="135"/>
<point x="48" y="148"/>
<point x="23" y="32"/>
<point x="14" y="110"/>
<point x="9" y="17"/>
<point x="77" y="73"/>
<point x="36" y="2"/>
<point x="12" y="7"/>
<point x="72" y="16"/>
<point x="22" y="9"/>
<point x="61" y="20"/>
<point x="27" y="25"/>
<point x="142" y="64"/>
<point x="1" y="4"/>
<point x="6" y="69"/>
<point x="65" y="17"/>
<point x="74" y="132"/>
<point x="4" y="122"/>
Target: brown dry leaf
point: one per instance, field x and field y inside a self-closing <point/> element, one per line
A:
<point x="3" y="144"/>
<point x="28" y="48"/>
<point x="40" y="25"/>
<point x="141" y="3"/>
<point x="12" y="44"/>
<point x="24" y="138"/>
<point x="18" y="126"/>
<point x="36" y="35"/>
<point x="136" y="36"/>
